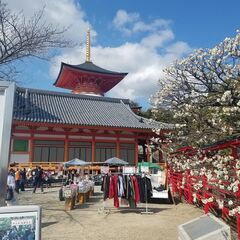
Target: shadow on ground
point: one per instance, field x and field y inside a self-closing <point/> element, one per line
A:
<point x="48" y="224"/>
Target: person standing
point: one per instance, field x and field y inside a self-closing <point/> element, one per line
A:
<point x="38" y="179"/>
<point x="17" y="180"/>
<point x="10" y="188"/>
<point x="23" y="179"/>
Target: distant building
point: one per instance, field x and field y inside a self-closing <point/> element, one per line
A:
<point x="51" y="127"/>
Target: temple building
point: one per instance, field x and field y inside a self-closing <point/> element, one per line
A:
<point x="53" y="127"/>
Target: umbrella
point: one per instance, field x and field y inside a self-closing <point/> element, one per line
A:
<point x="75" y="162"/>
<point x="116" y="161"/>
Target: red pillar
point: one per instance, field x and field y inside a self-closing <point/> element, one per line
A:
<point x="93" y="149"/>
<point x="66" y="149"/>
<point x="118" y="148"/>
<point x="31" y="148"/>
<point x="148" y="153"/>
<point x="136" y="152"/>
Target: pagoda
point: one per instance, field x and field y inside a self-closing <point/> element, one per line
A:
<point x="87" y="78"/>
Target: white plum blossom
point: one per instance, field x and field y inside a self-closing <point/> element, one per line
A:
<point x="208" y="200"/>
<point x="203" y="92"/>
<point x="221" y="173"/>
<point x="234" y="211"/>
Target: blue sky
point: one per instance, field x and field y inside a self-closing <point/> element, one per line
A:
<point x="139" y="37"/>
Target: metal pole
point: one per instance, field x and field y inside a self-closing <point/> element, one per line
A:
<point x="7" y="91"/>
<point x="146" y="196"/>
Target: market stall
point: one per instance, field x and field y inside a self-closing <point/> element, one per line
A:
<point x="78" y="187"/>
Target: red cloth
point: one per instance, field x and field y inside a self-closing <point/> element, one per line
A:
<point x="111" y="188"/>
<point x="136" y="189"/>
<point x="115" y="186"/>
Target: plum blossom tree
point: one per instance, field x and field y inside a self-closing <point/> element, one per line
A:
<point x="203" y="91"/>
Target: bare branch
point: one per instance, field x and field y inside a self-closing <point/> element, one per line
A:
<point x="21" y="38"/>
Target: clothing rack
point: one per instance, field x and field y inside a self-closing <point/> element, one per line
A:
<point x="103" y="209"/>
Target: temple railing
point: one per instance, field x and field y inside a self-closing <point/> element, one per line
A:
<point x="204" y="193"/>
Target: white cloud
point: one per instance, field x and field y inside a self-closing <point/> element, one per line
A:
<point x="158" y="39"/>
<point x="178" y="48"/>
<point x="143" y="59"/>
<point x="130" y="23"/>
<point x="123" y="18"/>
<point x="62" y="13"/>
<point x="153" y="26"/>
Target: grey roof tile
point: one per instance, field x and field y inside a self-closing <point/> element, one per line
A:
<point x="64" y="108"/>
<point x="89" y="66"/>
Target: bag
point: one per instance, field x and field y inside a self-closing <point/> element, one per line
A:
<point x="9" y="195"/>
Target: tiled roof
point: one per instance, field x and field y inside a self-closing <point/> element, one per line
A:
<point x="89" y="66"/>
<point x="42" y="106"/>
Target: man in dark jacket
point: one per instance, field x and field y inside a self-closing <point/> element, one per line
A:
<point x="23" y="179"/>
<point x="38" y="179"/>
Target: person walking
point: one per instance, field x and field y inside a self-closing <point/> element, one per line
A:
<point x="38" y="179"/>
<point x="17" y="180"/>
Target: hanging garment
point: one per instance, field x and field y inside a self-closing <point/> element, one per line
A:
<point x="128" y="189"/>
<point x="120" y="186"/>
<point x="115" y="186"/>
<point x="111" y="187"/>
<point x="136" y="188"/>
<point x="125" y="185"/>
<point x="141" y="188"/>
<point x="105" y="187"/>
<point x="147" y="186"/>
<point x="131" y="193"/>
<point x="132" y="187"/>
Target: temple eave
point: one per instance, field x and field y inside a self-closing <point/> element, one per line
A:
<point x="72" y="80"/>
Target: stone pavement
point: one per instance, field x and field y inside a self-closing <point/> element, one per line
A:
<point x="89" y="222"/>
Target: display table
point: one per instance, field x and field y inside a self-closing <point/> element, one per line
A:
<point x="69" y="203"/>
<point x="77" y="193"/>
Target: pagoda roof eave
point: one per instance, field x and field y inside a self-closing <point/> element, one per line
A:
<point x="92" y="68"/>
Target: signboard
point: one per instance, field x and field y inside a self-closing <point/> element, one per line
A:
<point x="105" y="169"/>
<point x="7" y="91"/>
<point x="20" y="222"/>
<point x="129" y="170"/>
<point x="144" y="169"/>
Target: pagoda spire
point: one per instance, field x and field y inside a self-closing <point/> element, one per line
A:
<point x="88" y="52"/>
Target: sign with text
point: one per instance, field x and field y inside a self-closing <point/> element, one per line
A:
<point x="20" y="222"/>
<point x="105" y="169"/>
<point x="144" y="169"/>
<point x="129" y="170"/>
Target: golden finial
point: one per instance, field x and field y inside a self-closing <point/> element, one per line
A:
<point x="88" y="59"/>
